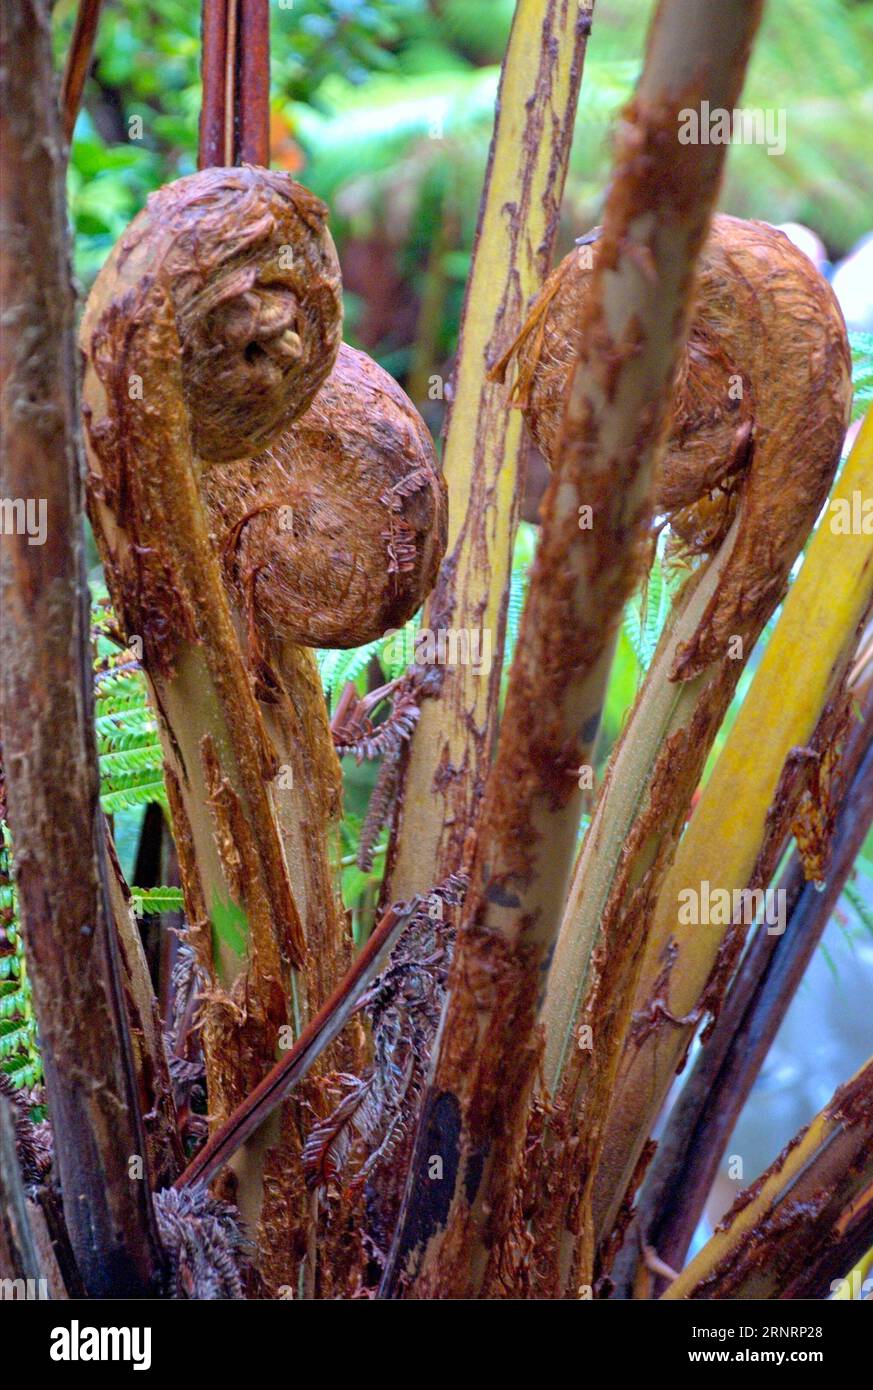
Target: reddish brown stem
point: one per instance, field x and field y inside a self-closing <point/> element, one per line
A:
<point x="318" y="1035"/>
<point x="78" y="63"/>
<point x="235" y="67"/>
<point x="252" y="123"/>
<point x="213" y="37"/>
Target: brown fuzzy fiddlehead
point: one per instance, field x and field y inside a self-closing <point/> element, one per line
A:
<point x="245" y="258"/>
<point x="760" y="409"/>
<point x="335" y="533"/>
<point x="742" y="435"/>
<point x="232" y="531"/>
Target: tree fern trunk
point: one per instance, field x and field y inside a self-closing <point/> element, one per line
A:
<point x="443" y="781"/>
<point x="46" y="688"/>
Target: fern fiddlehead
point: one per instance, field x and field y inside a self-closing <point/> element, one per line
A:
<point x="749" y="460"/>
<point x="208" y="333"/>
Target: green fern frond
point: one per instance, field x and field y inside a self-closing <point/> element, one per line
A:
<point x="125" y="763"/>
<point x="23" y="1071"/>
<point x="645" y="616"/>
<point x="396" y="652"/>
<point x="126" y="798"/>
<point x="119" y="688"/>
<point x="862" y="372"/>
<point x="135" y="728"/>
<point x="14" y="998"/>
<point x="522" y="559"/>
<point x="149" y="901"/>
<point x="19" y="1048"/>
<point x="15" y="1036"/>
<point x="337" y="667"/>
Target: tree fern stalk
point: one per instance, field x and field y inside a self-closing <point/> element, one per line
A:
<point x="45" y="689"/>
<point x="830" y="598"/>
<point x="700" y="1125"/>
<point x="802" y="1203"/>
<point x="635" y="331"/>
<point x="527" y="166"/>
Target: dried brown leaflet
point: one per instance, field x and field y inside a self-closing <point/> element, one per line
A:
<point x="52" y="783"/>
<point x="749" y="460"/>
<point x="451" y="1239"/>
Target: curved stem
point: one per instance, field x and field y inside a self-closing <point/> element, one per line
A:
<point x="451" y="1238"/>
<point x="803" y="665"/>
<point x="678" y="1183"/>
<point x="801" y="1204"/>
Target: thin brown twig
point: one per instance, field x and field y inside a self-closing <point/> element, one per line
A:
<point x="318" y="1035"/>
<point x="78" y="62"/>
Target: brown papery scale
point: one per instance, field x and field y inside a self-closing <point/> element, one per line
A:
<point x="335" y="533"/>
<point x="767" y="337"/>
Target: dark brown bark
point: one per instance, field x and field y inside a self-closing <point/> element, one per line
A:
<point x="46" y="699"/>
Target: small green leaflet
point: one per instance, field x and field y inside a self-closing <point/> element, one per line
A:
<point x="148" y="901"/>
<point x="862" y="372"/>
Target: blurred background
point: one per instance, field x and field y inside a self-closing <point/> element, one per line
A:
<point x="385" y="109"/>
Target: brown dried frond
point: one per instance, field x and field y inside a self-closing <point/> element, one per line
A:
<point x="359" y="736"/>
<point x="370" y="1129"/>
<point x="204" y="1244"/>
<point x="33" y="1142"/>
<point x="382" y="801"/>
